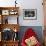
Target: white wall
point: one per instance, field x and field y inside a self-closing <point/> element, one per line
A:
<point x="7" y="3"/>
<point x="32" y="4"/>
<point x="27" y="4"/>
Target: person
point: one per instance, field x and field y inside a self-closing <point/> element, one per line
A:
<point x="30" y="38"/>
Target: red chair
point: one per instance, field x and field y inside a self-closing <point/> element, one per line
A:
<point x="29" y="33"/>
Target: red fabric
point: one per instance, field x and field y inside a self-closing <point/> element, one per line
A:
<point x="28" y="33"/>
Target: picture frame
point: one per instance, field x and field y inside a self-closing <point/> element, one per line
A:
<point x="5" y="12"/>
<point x="0" y="36"/>
<point x="0" y="19"/>
<point x="13" y="12"/>
<point x="30" y="14"/>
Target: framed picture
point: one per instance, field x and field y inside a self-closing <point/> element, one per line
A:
<point x="13" y="12"/>
<point x="5" y="12"/>
<point x="0" y="36"/>
<point x="30" y="14"/>
<point x="0" y="19"/>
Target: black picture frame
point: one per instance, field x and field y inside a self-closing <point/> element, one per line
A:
<point x="30" y="14"/>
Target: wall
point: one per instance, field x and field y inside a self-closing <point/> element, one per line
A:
<point x="6" y="3"/>
<point x="27" y="4"/>
<point x="32" y="4"/>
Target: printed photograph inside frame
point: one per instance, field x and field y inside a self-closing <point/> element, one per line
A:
<point x="30" y="14"/>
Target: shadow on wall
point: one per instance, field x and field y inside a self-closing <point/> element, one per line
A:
<point x="37" y="29"/>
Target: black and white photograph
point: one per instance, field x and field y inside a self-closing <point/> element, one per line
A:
<point x="30" y="13"/>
